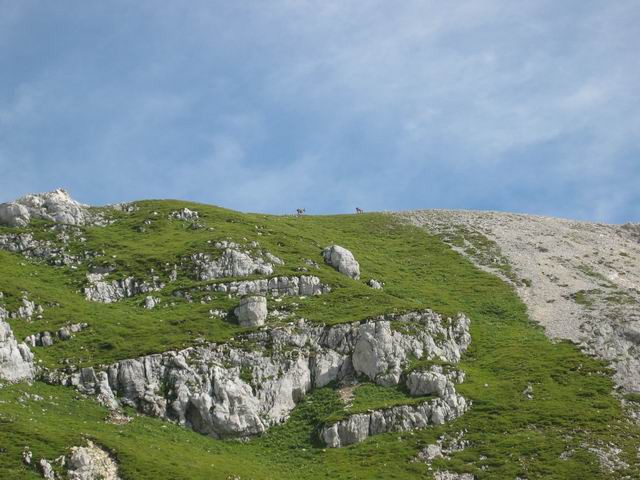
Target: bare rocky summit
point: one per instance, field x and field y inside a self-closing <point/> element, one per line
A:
<point x="56" y="206"/>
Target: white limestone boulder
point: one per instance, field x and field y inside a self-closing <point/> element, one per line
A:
<point x="91" y="463"/>
<point x="342" y="260"/>
<point x="14" y="215"/>
<point x="252" y="311"/>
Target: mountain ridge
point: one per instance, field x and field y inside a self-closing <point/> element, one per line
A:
<point x="522" y="393"/>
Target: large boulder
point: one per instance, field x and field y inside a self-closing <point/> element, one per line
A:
<point x="252" y="311"/>
<point x="56" y="206"/>
<point x="14" y="215"/>
<point x="427" y="383"/>
<point x="91" y="463"/>
<point x="342" y="260"/>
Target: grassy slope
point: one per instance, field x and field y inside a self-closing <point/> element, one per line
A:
<point x="572" y="403"/>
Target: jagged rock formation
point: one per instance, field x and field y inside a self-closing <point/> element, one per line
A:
<point x="433" y="381"/>
<point x="304" y="285"/>
<point x="185" y="215"/>
<point x="46" y="470"/>
<point x="402" y="418"/>
<point x="91" y="463"/>
<point x="151" y="302"/>
<point x="233" y="262"/>
<point x="100" y="290"/>
<point x="16" y="360"/>
<point x="579" y="280"/>
<point x="342" y="260"/>
<point x="27" y="309"/>
<point x="252" y="311"/>
<point x="56" y="206"/>
<point x="25" y="244"/>
<point x="241" y="390"/>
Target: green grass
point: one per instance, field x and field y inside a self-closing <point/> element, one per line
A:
<point x="369" y="396"/>
<point x="514" y="436"/>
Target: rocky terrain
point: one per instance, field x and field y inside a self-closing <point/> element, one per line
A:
<point x="308" y="347"/>
<point x="579" y="280"/>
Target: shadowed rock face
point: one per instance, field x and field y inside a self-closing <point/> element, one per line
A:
<point x="579" y="280"/>
<point x="56" y="206"/>
<point x="238" y="391"/>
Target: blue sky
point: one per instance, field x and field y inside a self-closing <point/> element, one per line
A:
<point x="527" y="106"/>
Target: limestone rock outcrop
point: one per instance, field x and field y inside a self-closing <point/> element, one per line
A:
<point x="185" y="214"/>
<point x="46" y="339"/>
<point x="304" y="285"/>
<point x="233" y="262"/>
<point x="240" y="390"/>
<point x="14" y="215"/>
<point x="252" y="311"/>
<point x="56" y="206"/>
<point x="26" y="245"/>
<point x="91" y="463"/>
<point x="342" y="260"/>
<point x="16" y="360"/>
<point x="433" y="381"/>
<point x="151" y="302"/>
<point x="402" y="418"/>
<point x="101" y="290"/>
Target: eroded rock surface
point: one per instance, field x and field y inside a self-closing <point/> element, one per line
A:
<point x="26" y="245"/>
<point x="101" y="290"/>
<point x="402" y="418"/>
<point x="237" y="391"/>
<point x="16" y="360"/>
<point x="304" y="285"/>
<point x="232" y="262"/>
<point x="252" y="311"/>
<point x="342" y="260"/>
<point x="91" y="463"/>
<point x="185" y="215"/>
<point x="56" y="206"/>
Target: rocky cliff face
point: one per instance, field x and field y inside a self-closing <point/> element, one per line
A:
<point x="240" y="390"/>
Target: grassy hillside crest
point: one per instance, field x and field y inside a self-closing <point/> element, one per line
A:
<point x="554" y="435"/>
